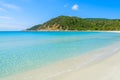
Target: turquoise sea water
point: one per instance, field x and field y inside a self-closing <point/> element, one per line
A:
<point x="22" y="51"/>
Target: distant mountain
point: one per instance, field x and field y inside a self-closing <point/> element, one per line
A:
<point x="76" y="23"/>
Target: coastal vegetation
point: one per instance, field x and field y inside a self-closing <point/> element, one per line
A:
<point x="78" y="24"/>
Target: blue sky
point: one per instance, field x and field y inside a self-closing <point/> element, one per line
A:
<point x="22" y="14"/>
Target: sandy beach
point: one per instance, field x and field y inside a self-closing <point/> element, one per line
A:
<point x="59" y="39"/>
<point x="107" y="69"/>
<point x="102" y="64"/>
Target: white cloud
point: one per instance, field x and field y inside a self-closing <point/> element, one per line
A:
<point x="75" y="7"/>
<point x="6" y="17"/>
<point x="10" y="6"/>
<point x="12" y="27"/>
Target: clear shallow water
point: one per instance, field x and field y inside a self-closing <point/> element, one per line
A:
<point x="22" y="51"/>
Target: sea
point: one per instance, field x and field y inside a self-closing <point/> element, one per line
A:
<point x="23" y="51"/>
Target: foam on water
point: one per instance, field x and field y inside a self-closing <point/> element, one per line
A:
<point x="22" y="51"/>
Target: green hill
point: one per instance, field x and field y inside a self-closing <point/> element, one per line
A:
<point x="76" y="23"/>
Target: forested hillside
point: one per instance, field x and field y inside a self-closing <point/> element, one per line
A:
<point x="76" y="23"/>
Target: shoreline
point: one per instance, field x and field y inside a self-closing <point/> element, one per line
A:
<point x="61" y="31"/>
<point x="68" y="31"/>
<point x="60" y="70"/>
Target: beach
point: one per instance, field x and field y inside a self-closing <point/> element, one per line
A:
<point x="60" y="40"/>
<point x="105" y="70"/>
<point x="101" y="64"/>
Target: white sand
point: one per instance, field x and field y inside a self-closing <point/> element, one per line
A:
<point x="113" y="31"/>
<point x="108" y="69"/>
<point x="102" y="64"/>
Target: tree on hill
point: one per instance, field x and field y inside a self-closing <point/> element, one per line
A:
<point x="76" y="23"/>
